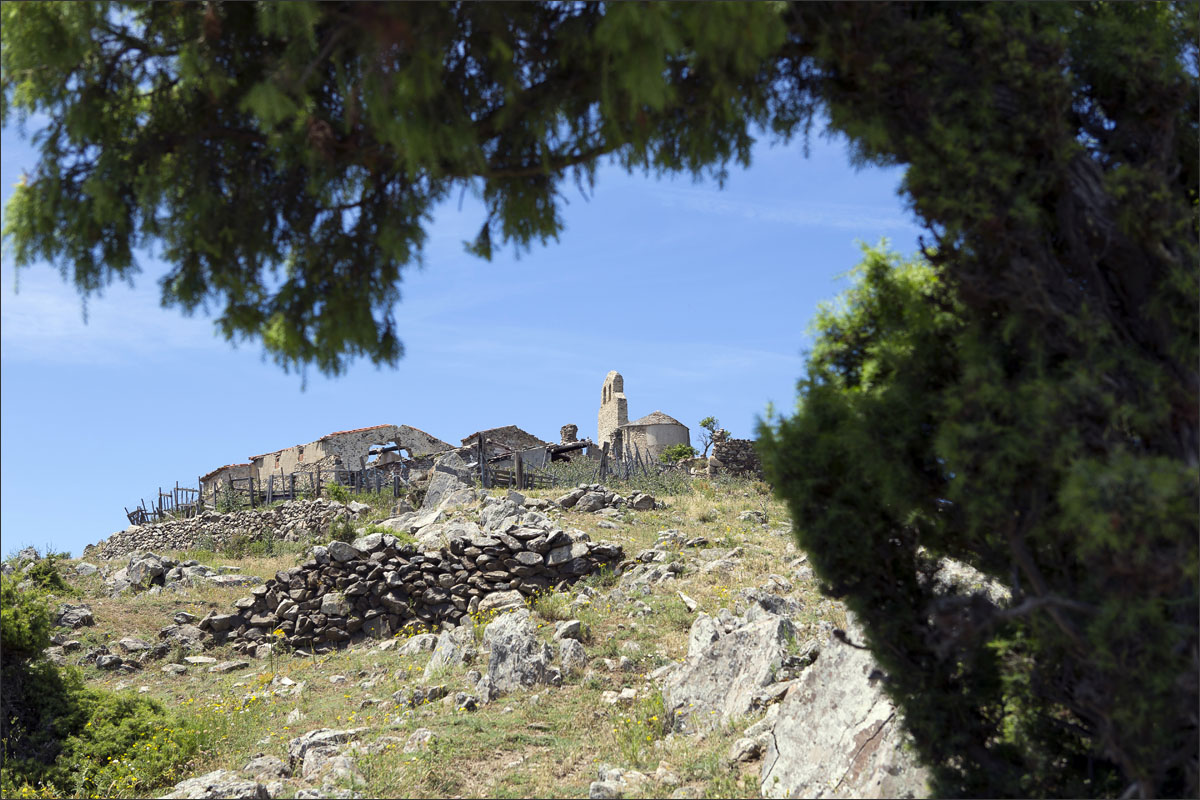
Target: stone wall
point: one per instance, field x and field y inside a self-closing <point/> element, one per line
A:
<point x="377" y="586"/>
<point x="737" y="457"/>
<point x="292" y="521"/>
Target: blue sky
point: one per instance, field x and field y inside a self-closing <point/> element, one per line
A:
<point x="699" y="296"/>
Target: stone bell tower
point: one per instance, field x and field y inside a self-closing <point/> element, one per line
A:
<point x="614" y="411"/>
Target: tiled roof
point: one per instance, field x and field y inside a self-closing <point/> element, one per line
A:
<point x="656" y="418"/>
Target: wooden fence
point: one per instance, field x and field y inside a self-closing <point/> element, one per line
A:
<point x="183" y="502"/>
<point x="178" y="503"/>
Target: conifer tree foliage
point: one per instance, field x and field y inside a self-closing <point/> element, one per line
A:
<point x="285" y="157"/>
<point x="1026" y="403"/>
<point x="1022" y="397"/>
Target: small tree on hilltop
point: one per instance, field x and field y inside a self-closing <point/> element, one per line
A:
<point x="710" y="426"/>
<point x="677" y="452"/>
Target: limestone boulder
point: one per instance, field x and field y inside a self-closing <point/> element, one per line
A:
<point x="320" y="738"/>
<point x="571" y="656"/>
<point x="221" y="783"/>
<point x="723" y="672"/>
<point x="450" y="474"/>
<point x="837" y="734"/>
<point x="421" y="643"/>
<point x="343" y="551"/>
<point x="502" y="601"/>
<point x="518" y="659"/>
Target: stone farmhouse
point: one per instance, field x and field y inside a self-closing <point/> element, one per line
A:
<point x="647" y="436"/>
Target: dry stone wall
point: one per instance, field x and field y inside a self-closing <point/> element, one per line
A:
<point x="376" y="586"/>
<point x="294" y="520"/>
<point x="737" y="456"/>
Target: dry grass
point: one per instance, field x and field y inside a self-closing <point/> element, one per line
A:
<point x="547" y="742"/>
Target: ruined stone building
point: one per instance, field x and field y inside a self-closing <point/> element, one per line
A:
<point x="501" y="440"/>
<point x="220" y="477"/>
<point x="349" y="450"/>
<point x="648" y="436"/>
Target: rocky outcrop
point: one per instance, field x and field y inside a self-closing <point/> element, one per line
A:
<point x="837" y="734"/>
<point x="294" y="520"/>
<point x="727" y="668"/>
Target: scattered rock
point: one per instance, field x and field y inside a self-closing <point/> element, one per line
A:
<point x="571" y="656"/>
<point x="219" y="784"/>
<point x="420" y="739"/>
<point x="267" y="767"/>
<point x="108" y="662"/>
<point x="228" y="666"/>
<point x="74" y="617"/>
<point x="569" y="629"/>
<point x="454" y="648"/>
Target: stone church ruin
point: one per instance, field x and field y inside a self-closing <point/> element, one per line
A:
<point x="647" y="436"/>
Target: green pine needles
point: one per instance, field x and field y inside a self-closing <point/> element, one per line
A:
<point x="918" y="437"/>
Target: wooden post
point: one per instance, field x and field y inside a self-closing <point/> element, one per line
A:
<point x="604" y="461"/>
<point x="292" y="486"/>
<point x="479" y="450"/>
<point x="252" y="498"/>
<point x="518" y="471"/>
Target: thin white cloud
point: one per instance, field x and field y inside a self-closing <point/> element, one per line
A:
<point x="808" y="214"/>
<point x="43" y="322"/>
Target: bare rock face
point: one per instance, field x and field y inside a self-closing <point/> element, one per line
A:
<point x="724" y="672"/>
<point x="838" y="735"/>
<point x="518" y="660"/>
<point x="219" y="784"/>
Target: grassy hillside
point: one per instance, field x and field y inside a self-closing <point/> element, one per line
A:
<point x="549" y="741"/>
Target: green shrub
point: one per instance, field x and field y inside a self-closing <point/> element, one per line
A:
<point x="70" y="740"/>
<point x="337" y="492"/>
<point x="635" y="731"/>
<point x="61" y="738"/>
<point x="403" y="537"/>
<point x="551" y="605"/>
<point x="676" y="452"/>
<point x="25" y="621"/>
<point x="342" y="530"/>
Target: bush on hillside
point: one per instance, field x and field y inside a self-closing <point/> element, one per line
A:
<point x="25" y="621"/>
<point x="61" y="738"/>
